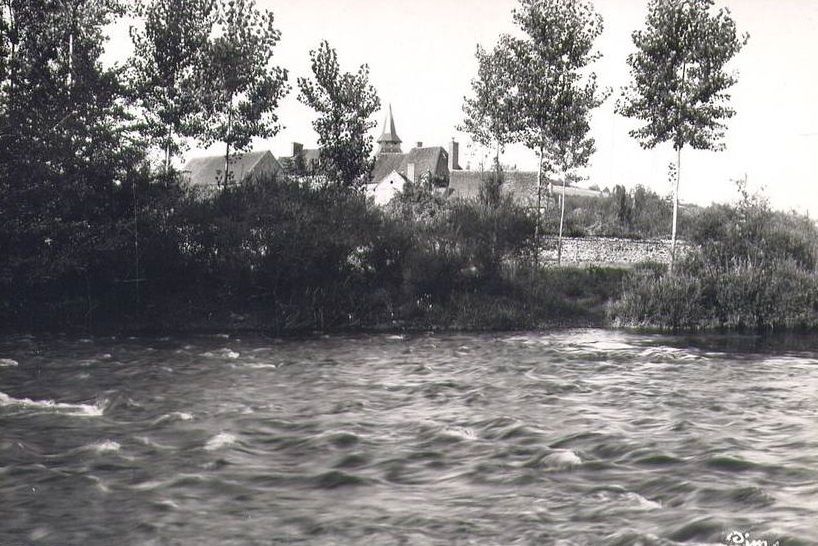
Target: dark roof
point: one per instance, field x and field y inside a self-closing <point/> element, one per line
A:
<point x="209" y="171"/>
<point x="389" y="134"/>
<point x="310" y="155"/>
<point x="429" y="159"/>
<point x="385" y="164"/>
<point x="522" y="185"/>
<point x="465" y="184"/>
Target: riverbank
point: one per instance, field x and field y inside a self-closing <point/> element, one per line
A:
<point x="284" y="257"/>
<point x="553" y="298"/>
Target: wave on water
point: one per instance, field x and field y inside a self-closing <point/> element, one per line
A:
<point x="220" y="440"/>
<point x="173" y="416"/>
<point x="641" y="502"/>
<point x="461" y="433"/>
<point x="621" y="497"/>
<point x="80" y="410"/>
<point x="556" y="460"/>
<point x="8" y="363"/>
<point x="222" y="353"/>
<point x="257" y="366"/>
<point x="107" y="446"/>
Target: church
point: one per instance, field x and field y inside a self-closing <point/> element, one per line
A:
<point x="393" y="168"/>
<point x="440" y="168"/>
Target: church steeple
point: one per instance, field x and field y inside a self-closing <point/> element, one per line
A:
<point x="389" y="141"/>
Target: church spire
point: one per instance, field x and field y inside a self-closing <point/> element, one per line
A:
<point x="389" y="141"/>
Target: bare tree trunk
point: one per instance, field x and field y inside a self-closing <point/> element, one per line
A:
<point x="136" y="241"/>
<point x="227" y="143"/>
<point x="539" y="213"/>
<point x="562" y="219"/>
<point x="12" y="53"/>
<point x="226" y="164"/>
<point x="680" y="143"/>
<point x="675" y="208"/>
<point x="168" y="141"/>
<point x="71" y="30"/>
<point x="70" y="79"/>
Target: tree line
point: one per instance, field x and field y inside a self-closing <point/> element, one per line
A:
<point x="537" y="87"/>
<point x="88" y="227"/>
<point x="85" y="214"/>
<point x="201" y="71"/>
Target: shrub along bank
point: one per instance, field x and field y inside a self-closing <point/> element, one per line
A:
<point x="286" y="257"/>
<point x="750" y="269"/>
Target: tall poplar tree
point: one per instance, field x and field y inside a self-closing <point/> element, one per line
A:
<point x="243" y="86"/>
<point x="167" y="70"/>
<point x="489" y="111"/>
<point x="345" y="103"/>
<point x="678" y="79"/>
<point x="555" y="91"/>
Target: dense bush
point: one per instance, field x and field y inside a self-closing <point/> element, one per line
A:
<point x="751" y="269"/>
<point x="474" y="236"/>
<point x="285" y="256"/>
<point x="636" y="214"/>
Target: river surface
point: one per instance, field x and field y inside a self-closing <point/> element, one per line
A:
<point x="572" y="437"/>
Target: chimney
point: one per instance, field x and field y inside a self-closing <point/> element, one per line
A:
<point x="454" y="156"/>
<point x="297" y="149"/>
<point x="420" y="144"/>
<point x="410" y="172"/>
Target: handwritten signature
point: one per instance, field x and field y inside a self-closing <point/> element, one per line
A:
<point x="737" y="537"/>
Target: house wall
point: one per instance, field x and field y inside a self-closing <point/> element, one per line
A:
<point x="385" y="190"/>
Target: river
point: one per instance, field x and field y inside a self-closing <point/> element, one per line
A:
<point x="571" y="437"/>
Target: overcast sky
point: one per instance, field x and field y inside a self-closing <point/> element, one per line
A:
<point x="421" y="57"/>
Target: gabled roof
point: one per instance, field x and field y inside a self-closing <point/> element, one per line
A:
<point x="209" y="171"/>
<point x="310" y="155"/>
<point x="429" y="159"/>
<point x="385" y="164"/>
<point x="389" y="134"/>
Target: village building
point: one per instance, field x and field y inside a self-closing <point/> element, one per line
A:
<point x="206" y="174"/>
<point x="435" y="166"/>
<point x="301" y="160"/>
<point x="393" y="168"/>
<point x="440" y="168"/>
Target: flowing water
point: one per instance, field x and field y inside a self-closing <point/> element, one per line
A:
<point x="571" y="437"/>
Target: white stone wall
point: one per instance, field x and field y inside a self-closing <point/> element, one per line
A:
<point x="608" y="251"/>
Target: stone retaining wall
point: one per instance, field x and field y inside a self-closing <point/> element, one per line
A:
<point x="609" y="251"/>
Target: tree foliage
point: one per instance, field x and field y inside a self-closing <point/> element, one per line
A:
<point x="243" y="87"/>
<point x="344" y="102"/>
<point x="751" y="268"/>
<point x="489" y="111"/>
<point x="168" y="70"/>
<point x="62" y="140"/>
<point x="555" y="91"/>
<point x="679" y="83"/>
